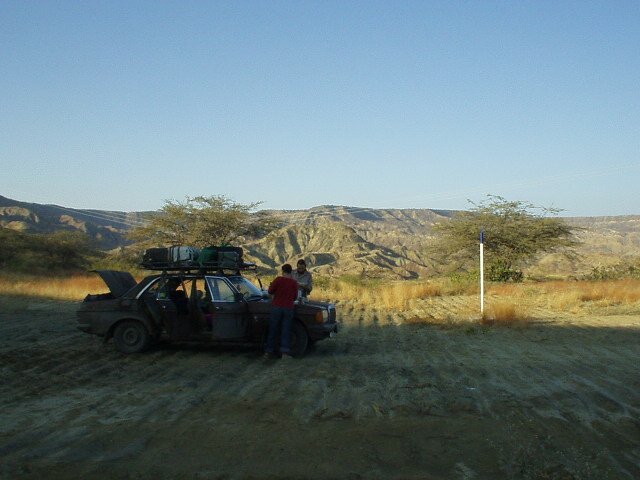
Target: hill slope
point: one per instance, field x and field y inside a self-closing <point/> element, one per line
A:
<point x="341" y="240"/>
<point x="349" y="240"/>
<point x="106" y="228"/>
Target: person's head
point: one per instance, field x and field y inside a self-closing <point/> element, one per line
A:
<point x="301" y="266"/>
<point x="286" y="269"/>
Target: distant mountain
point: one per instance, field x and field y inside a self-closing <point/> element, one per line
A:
<point x="106" y="228"/>
<point x="341" y="240"/>
<point x="349" y="240"/>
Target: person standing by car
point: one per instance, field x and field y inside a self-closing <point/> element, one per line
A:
<point x="304" y="279"/>
<point x="285" y="291"/>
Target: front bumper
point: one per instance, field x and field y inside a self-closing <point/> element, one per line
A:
<point x="318" y="332"/>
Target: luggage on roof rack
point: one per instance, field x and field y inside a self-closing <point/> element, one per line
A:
<point x="182" y="258"/>
<point x="155" y="258"/>
<point x="170" y="257"/>
<point x="222" y="257"/>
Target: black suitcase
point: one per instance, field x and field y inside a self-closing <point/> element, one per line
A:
<point x="230" y="257"/>
<point x="230" y="252"/>
<point x="156" y="258"/>
<point x="225" y="257"/>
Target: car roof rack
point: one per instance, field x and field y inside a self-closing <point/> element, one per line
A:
<point x="197" y="268"/>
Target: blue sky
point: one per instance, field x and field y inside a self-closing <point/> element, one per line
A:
<point x="121" y="105"/>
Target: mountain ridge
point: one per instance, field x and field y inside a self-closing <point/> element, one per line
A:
<point x="338" y="239"/>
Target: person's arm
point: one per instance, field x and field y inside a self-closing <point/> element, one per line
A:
<point x="272" y="286"/>
<point x="305" y="282"/>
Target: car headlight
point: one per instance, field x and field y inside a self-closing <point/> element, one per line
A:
<point x="322" y="316"/>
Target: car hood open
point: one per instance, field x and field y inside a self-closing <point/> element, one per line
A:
<point x="119" y="283"/>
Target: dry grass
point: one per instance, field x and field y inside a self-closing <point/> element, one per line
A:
<point x="576" y="295"/>
<point x="524" y="303"/>
<point x="69" y="288"/>
<point x="562" y="301"/>
<point x="621" y="291"/>
<point x="505" y="313"/>
<point x="571" y="295"/>
<point x="512" y="290"/>
<point x="394" y="296"/>
<point x="507" y="302"/>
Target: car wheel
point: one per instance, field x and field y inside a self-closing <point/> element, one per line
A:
<point x="299" y="340"/>
<point x="131" y="337"/>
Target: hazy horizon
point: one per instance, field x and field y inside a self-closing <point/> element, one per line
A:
<point x="352" y="209"/>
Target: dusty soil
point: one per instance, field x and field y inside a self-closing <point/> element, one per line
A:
<point x="389" y="397"/>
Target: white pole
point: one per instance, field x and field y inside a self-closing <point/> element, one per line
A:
<point x="482" y="272"/>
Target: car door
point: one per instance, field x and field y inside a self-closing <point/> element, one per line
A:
<point x="229" y="319"/>
<point x="154" y="301"/>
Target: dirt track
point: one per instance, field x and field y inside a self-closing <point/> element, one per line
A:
<point x="384" y="399"/>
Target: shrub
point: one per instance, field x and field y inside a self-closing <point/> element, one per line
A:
<point x="127" y="259"/>
<point x="462" y="283"/>
<point x="615" y="272"/>
<point x="501" y="271"/>
<point x="47" y="254"/>
<point x="505" y="313"/>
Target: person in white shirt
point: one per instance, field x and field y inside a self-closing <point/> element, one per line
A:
<point x="304" y="278"/>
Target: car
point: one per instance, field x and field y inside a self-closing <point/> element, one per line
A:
<point x="215" y="307"/>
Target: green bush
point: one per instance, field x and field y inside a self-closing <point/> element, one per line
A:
<point x="321" y="281"/>
<point x="58" y="252"/>
<point x="359" y="280"/>
<point x="501" y="271"/>
<point x="459" y="283"/>
<point x="127" y="259"/>
<point x="615" y="272"/>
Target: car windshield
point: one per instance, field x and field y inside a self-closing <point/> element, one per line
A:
<point x="246" y="288"/>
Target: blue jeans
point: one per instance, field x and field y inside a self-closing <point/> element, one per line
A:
<point x="280" y="321"/>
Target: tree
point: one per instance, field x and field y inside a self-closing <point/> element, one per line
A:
<point x="52" y="253"/>
<point x="514" y="235"/>
<point x="66" y="249"/>
<point x="203" y="221"/>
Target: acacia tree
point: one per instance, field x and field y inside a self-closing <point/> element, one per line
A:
<point x="515" y="232"/>
<point x="202" y="221"/>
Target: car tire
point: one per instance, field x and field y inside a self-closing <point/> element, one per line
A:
<point x="299" y="340"/>
<point x="131" y="336"/>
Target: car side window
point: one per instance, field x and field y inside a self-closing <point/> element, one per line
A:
<point x="220" y="290"/>
<point x="157" y="289"/>
<point x="167" y="288"/>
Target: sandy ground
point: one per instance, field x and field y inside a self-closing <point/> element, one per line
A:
<point x="384" y="399"/>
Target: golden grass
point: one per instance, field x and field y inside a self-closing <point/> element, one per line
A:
<point x="391" y="296"/>
<point x="562" y="301"/>
<point x="395" y="296"/>
<point x="506" y="302"/>
<point x="511" y="290"/>
<point x="505" y="313"/>
<point x="621" y="291"/>
<point x="576" y="297"/>
<point x="67" y="288"/>
<point x="572" y="295"/>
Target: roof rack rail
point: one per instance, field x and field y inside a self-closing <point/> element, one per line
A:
<point x="205" y="268"/>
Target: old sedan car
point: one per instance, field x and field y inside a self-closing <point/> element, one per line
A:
<point x="204" y="307"/>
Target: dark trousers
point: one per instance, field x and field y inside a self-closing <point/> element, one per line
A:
<point x="280" y="322"/>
